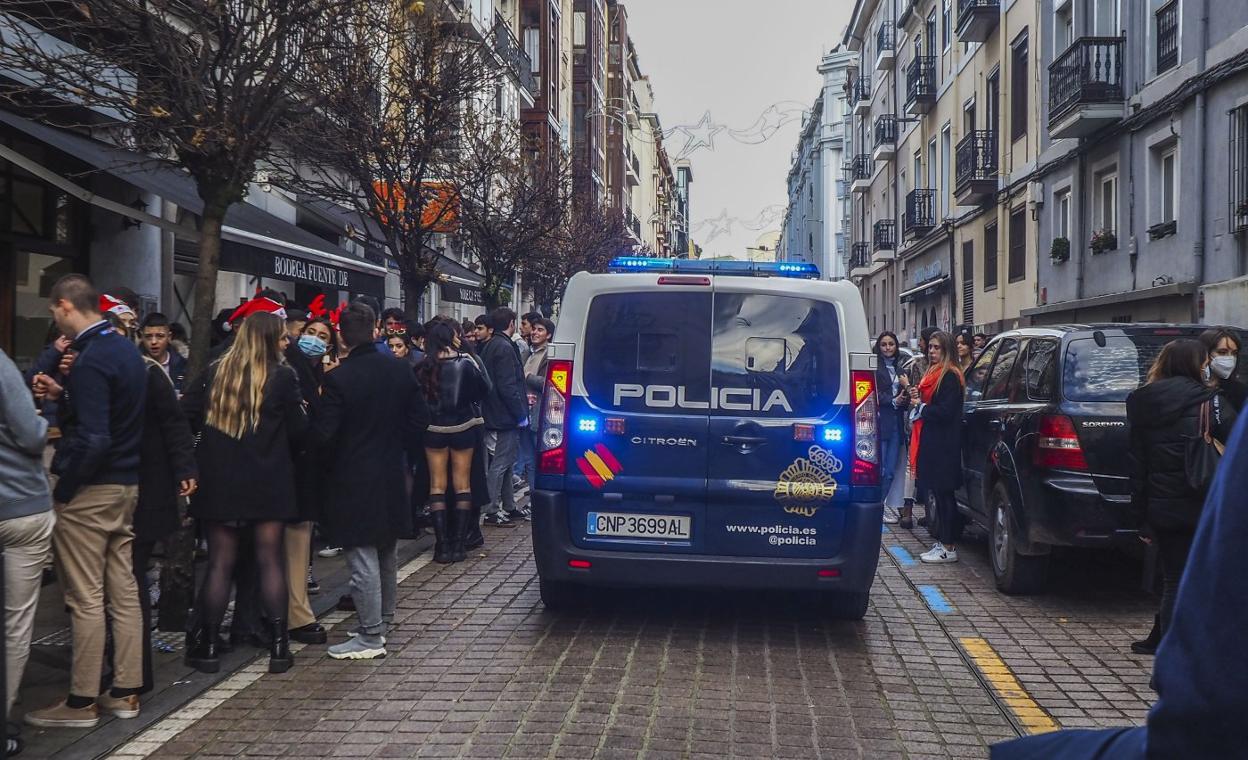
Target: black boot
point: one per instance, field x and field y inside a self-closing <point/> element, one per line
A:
<point x="441" y="537"/>
<point x="1149" y="645"/>
<point x="475" y="538"/>
<point x="460" y="520"/>
<point x="201" y="649"/>
<point x="280" y="659"/>
<point x="907" y="515"/>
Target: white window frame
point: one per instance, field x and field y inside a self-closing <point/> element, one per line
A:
<point x="1061" y="214"/>
<point x="1102" y="180"/>
<point x="946" y="18"/>
<point x="1162" y="154"/>
<point x="580" y="31"/>
<point x="946" y="158"/>
<point x="1114" y="23"/>
<point x="1063" y="34"/>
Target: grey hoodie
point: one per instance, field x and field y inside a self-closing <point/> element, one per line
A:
<point x="23" y="434"/>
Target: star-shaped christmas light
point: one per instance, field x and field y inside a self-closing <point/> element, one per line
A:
<point x="699" y="136"/>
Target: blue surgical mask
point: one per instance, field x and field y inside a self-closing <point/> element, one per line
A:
<point x="312" y="346"/>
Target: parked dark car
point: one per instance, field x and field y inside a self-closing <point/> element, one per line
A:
<point x="1044" y="448"/>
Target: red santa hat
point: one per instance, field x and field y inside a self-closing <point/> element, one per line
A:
<point x="111" y="305"/>
<point x="257" y="305"/>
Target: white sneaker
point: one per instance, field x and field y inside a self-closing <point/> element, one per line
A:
<point x="938" y="554"/>
<point x="891" y="516"/>
<point x="330" y="551"/>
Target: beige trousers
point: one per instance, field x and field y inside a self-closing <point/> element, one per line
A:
<point x="92" y="539"/>
<point x="298" y="548"/>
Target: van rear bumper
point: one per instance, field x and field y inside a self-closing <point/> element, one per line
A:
<point x="553" y="549"/>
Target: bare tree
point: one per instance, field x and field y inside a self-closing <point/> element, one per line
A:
<point x="589" y="237"/>
<point x="511" y="198"/>
<point x="204" y="83"/>
<point x="384" y="144"/>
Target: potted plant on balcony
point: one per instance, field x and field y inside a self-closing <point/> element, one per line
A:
<point x="1103" y="240"/>
<point x="1060" y="251"/>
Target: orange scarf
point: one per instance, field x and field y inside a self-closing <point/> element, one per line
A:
<point x="927" y="389"/>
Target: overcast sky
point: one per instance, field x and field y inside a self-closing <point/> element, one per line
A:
<point x="735" y="59"/>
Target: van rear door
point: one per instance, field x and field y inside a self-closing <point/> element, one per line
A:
<point x="781" y="429"/>
<point x="637" y="431"/>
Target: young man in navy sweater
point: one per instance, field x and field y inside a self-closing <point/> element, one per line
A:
<point x="97" y="469"/>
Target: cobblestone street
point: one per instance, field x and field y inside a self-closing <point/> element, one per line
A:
<point x="942" y="666"/>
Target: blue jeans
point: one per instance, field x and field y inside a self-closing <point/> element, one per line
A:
<point x="526" y="461"/>
<point x="889" y="448"/>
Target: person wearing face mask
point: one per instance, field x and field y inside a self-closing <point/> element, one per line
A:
<point x="1224" y="346"/>
<point x="306" y="357"/>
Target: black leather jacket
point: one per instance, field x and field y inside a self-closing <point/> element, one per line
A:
<point x="461" y="385"/>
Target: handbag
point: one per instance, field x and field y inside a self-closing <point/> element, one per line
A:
<point x="1203" y="454"/>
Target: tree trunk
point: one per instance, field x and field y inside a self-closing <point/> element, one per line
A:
<point x="177" y="576"/>
<point x="413" y="295"/>
<point x="206" y="288"/>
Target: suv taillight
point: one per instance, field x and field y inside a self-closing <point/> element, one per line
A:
<point x="1058" y="445"/>
<point x="866" y="470"/>
<point x="552" y="458"/>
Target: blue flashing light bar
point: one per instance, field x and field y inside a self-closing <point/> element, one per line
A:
<point x="635" y="264"/>
<point x="587" y="425"/>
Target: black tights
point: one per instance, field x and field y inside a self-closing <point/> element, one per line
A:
<point x="223" y="540"/>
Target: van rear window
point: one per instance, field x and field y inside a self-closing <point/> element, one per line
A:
<point x="731" y="354"/>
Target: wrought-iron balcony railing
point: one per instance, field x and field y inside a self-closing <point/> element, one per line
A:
<point x="886" y="37"/>
<point x="976" y="158"/>
<point x="860" y="256"/>
<point x="885" y="130"/>
<point x="921" y="80"/>
<point x="1089" y="72"/>
<point x="509" y="49"/>
<point x="884" y="235"/>
<point x="860" y="167"/>
<point x="976" y="18"/>
<point x="920" y="213"/>
<point x="859" y="89"/>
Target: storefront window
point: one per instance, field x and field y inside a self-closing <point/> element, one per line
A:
<point x="34" y="275"/>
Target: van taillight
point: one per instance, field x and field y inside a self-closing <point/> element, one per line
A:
<point x="1058" y="446"/>
<point x="866" y="469"/>
<point x="552" y="456"/>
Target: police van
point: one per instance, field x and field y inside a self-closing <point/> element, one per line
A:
<point x="709" y="424"/>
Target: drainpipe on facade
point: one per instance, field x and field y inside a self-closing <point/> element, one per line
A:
<point x="1133" y="249"/>
<point x="894" y="78"/>
<point x="1083" y="222"/>
<point x="1199" y="251"/>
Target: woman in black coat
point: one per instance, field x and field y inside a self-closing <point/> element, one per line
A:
<point x="167" y="472"/>
<point x="1164" y="416"/>
<point x="250" y="412"/>
<point x="936" y="441"/>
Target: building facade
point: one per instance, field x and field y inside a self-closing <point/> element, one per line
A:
<point x="682" y="243"/>
<point x="1143" y="179"/>
<point x="813" y="223"/>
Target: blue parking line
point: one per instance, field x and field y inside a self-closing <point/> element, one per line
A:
<point x="903" y="557"/>
<point x="883" y="528"/>
<point x="936" y="601"/>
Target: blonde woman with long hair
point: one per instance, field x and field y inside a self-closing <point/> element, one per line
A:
<point x="247" y="408"/>
<point x="936" y="442"/>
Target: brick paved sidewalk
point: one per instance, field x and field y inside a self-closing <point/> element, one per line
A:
<point x="477" y="668"/>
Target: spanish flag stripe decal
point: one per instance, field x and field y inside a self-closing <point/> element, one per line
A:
<point x="599" y="465"/>
<point x="588" y="471"/>
<point x="609" y="458"/>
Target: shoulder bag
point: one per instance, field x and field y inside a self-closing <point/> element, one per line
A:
<point x="1203" y="454"/>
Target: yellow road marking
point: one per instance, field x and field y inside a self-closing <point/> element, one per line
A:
<point x="1030" y="714"/>
<point x="599" y="466"/>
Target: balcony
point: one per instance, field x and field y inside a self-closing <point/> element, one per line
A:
<point x="977" y="19"/>
<point x="1085" y="87"/>
<point x="860" y="170"/>
<point x="883" y="241"/>
<point x="885" y="46"/>
<point x="920" y="216"/>
<point x="976" y="167"/>
<point x="518" y="62"/>
<point x="920" y="85"/>
<point x="860" y="260"/>
<point x="885" y="138"/>
<point x="860" y="94"/>
<point x="1168" y="36"/>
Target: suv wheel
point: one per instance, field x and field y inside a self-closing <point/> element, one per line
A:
<point x="844" y="605"/>
<point x="933" y="521"/>
<point x="558" y="595"/>
<point x="1014" y="573"/>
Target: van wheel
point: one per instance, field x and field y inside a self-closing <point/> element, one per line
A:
<point x="1014" y="573"/>
<point x="844" y="605"/>
<point x="557" y="595"/>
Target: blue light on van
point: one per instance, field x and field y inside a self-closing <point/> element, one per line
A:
<point x="587" y="424"/>
<point x="800" y="269"/>
<point x="833" y="435"/>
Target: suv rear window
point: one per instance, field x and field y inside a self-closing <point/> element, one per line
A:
<point x="764" y="355"/>
<point x="1093" y="373"/>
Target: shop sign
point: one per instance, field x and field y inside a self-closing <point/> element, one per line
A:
<point x="466" y="294"/>
<point x="286" y="268"/>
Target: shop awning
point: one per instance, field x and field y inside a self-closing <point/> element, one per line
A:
<point x="460" y="284"/>
<point x="929" y="288"/>
<point x="253" y="240"/>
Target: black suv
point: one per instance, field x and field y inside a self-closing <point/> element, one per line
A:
<point x="1044" y="448"/>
